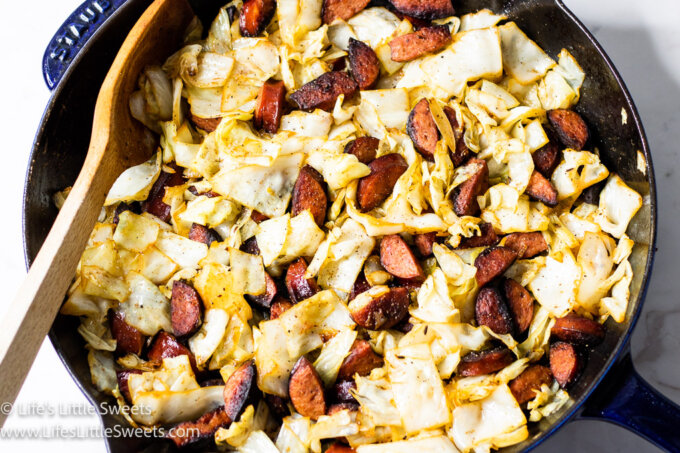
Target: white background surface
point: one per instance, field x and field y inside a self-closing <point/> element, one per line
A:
<point x="642" y="39"/>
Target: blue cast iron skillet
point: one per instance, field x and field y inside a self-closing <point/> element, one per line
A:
<point x="81" y="52"/>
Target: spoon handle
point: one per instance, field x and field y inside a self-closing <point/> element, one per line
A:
<point x="30" y="315"/>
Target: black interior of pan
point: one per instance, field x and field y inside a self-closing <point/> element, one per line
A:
<point x="63" y="138"/>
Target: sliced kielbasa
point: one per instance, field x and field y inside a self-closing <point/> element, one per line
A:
<point x="186" y="309"/>
<point x="240" y="389"/>
<point x="565" y="363"/>
<point x="299" y="287"/>
<point x="363" y="64"/>
<point x="492" y="311"/>
<point x="378" y="185"/>
<point x="525" y="386"/>
<point x="521" y="304"/>
<point x="539" y="188"/>
<point x="323" y="91"/>
<point x="487" y="237"/>
<point x="398" y="259"/>
<point x="569" y="127"/>
<point x="364" y="148"/>
<point x="578" y="329"/>
<point x="129" y="340"/>
<point x="382" y="312"/>
<point x="309" y="193"/>
<point x="360" y="360"/>
<point x="526" y="245"/>
<point x="255" y="16"/>
<point x="271" y="104"/>
<point x="425" y="9"/>
<point x="492" y="262"/>
<point x="306" y="390"/>
<point x="465" y="196"/>
<point x="413" y="45"/>
<point x="485" y="362"/>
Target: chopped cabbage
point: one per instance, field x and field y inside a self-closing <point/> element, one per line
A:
<point x="332" y="355"/>
<point x="209" y="337"/>
<point x="417" y="389"/>
<point x="555" y="285"/>
<point x="618" y="205"/>
<point x="494" y="422"/>
<point x="522" y="58"/>
<point x="146" y="309"/>
<point x="135" y="183"/>
<point x="275" y="184"/>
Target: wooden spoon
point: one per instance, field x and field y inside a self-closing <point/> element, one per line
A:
<point x="118" y="141"/>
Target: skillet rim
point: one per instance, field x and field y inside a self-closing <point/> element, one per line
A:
<point x="622" y="344"/>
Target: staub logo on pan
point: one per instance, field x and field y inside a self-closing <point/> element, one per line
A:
<point x="72" y="32"/>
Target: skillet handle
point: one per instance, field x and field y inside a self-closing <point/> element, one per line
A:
<point x="72" y="36"/>
<point x="626" y="399"/>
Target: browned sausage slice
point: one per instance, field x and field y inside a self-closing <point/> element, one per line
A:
<point x="279" y="307"/>
<point x="200" y="233"/>
<point x="422" y="129"/>
<point x="363" y="64"/>
<point x="122" y="377"/>
<point x="382" y="312"/>
<point x="539" y="188"/>
<point x="324" y="90"/>
<point x="258" y="217"/>
<point x="526" y="245"/>
<point x="240" y="389"/>
<point x="306" y="390"/>
<point x="413" y="45"/>
<point x="207" y="124"/>
<point x="378" y="185"/>
<point x="520" y="303"/>
<point x="487" y="237"/>
<point x="337" y="447"/>
<point x="265" y="300"/>
<point x="398" y="259"/>
<point x="569" y="127"/>
<point x="485" y="362"/>
<point x="255" y="16"/>
<point x="341" y="391"/>
<point x="546" y="158"/>
<point x="129" y="340"/>
<point x="360" y="286"/>
<point x="465" y="195"/>
<point x="492" y="262"/>
<point x="250" y="246"/>
<point x="425" y="9"/>
<point x="492" y="311"/>
<point x="205" y="427"/>
<point x="166" y="346"/>
<point x="364" y="148"/>
<point x="424" y="243"/>
<point x="361" y="360"/>
<point x="309" y="193"/>
<point x="341" y="9"/>
<point x="270" y="106"/>
<point x="565" y="363"/>
<point x="461" y="153"/>
<point x="578" y="329"/>
<point x="299" y="287"/>
<point x="154" y="203"/>
<point x="525" y="386"/>
<point x="185" y="309"/>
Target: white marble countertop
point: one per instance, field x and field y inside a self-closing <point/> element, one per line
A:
<point x="642" y="40"/>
